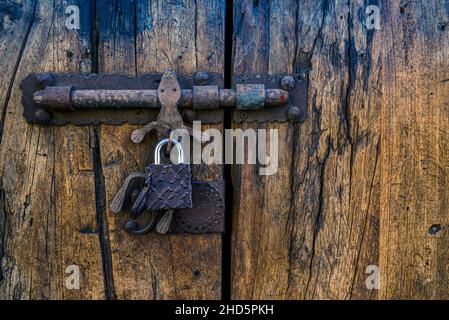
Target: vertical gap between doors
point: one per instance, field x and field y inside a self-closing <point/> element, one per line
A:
<point x="100" y="187"/>
<point x="229" y="189"/>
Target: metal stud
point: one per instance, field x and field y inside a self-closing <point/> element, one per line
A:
<point x="294" y="114"/>
<point x="42" y="116"/>
<point x="288" y="83"/>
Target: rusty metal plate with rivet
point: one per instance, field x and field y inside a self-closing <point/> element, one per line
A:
<point x="208" y="212"/>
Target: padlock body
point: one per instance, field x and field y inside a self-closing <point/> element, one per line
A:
<point x="170" y="186"/>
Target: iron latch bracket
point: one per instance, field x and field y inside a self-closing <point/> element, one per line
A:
<point x="69" y="98"/>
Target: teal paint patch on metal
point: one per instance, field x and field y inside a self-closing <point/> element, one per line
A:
<point x="291" y="107"/>
<point x="250" y="96"/>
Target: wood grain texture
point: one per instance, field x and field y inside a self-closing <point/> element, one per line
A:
<point x="309" y="231"/>
<point x="364" y="181"/>
<point x="15" y="23"/>
<point x="47" y="179"/>
<point x="150" y="36"/>
<point x="414" y="251"/>
<point x="366" y="175"/>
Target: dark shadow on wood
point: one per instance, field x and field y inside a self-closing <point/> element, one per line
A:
<point x="102" y="225"/>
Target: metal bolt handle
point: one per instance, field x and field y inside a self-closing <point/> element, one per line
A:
<point x="245" y="97"/>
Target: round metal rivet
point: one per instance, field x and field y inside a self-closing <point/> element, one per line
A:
<point x="42" y="116"/>
<point x="288" y="83"/>
<point x="131" y="225"/>
<point x="294" y="114"/>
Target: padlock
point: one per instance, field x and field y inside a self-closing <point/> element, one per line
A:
<point x="169" y="185"/>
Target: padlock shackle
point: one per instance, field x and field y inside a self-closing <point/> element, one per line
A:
<point x="157" y="151"/>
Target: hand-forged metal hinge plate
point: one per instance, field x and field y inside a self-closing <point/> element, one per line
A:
<point x="59" y="99"/>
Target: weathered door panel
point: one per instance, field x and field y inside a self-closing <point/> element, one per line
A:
<point x="414" y="251"/>
<point x="320" y="211"/>
<point x="151" y="36"/>
<point x="342" y="200"/>
<point x="57" y="181"/>
<point x="47" y="173"/>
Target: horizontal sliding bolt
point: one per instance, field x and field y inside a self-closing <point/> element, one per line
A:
<point x="245" y="97"/>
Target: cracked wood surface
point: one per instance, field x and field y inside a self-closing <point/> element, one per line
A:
<point x="343" y="196"/>
<point x="56" y="182"/>
<point x="47" y="178"/>
<point x="13" y="36"/>
<point x="364" y="181"/>
<point x="16" y="20"/>
<point x="313" y="226"/>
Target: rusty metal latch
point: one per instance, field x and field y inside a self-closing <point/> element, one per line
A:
<point x="58" y="99"/>
<point x="164" y="102"/>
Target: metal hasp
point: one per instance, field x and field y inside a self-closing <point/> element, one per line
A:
<point x="58" y="99"/>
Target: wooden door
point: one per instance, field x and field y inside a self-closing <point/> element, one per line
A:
<point x="362" y="183"/>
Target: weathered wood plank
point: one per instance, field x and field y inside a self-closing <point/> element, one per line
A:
<point x="414" y="251"/>
<point x="47" y="179"/>
<point x="188" y="36"/>
<point x="308" y="231"/>
<point x="16" y="20"/>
